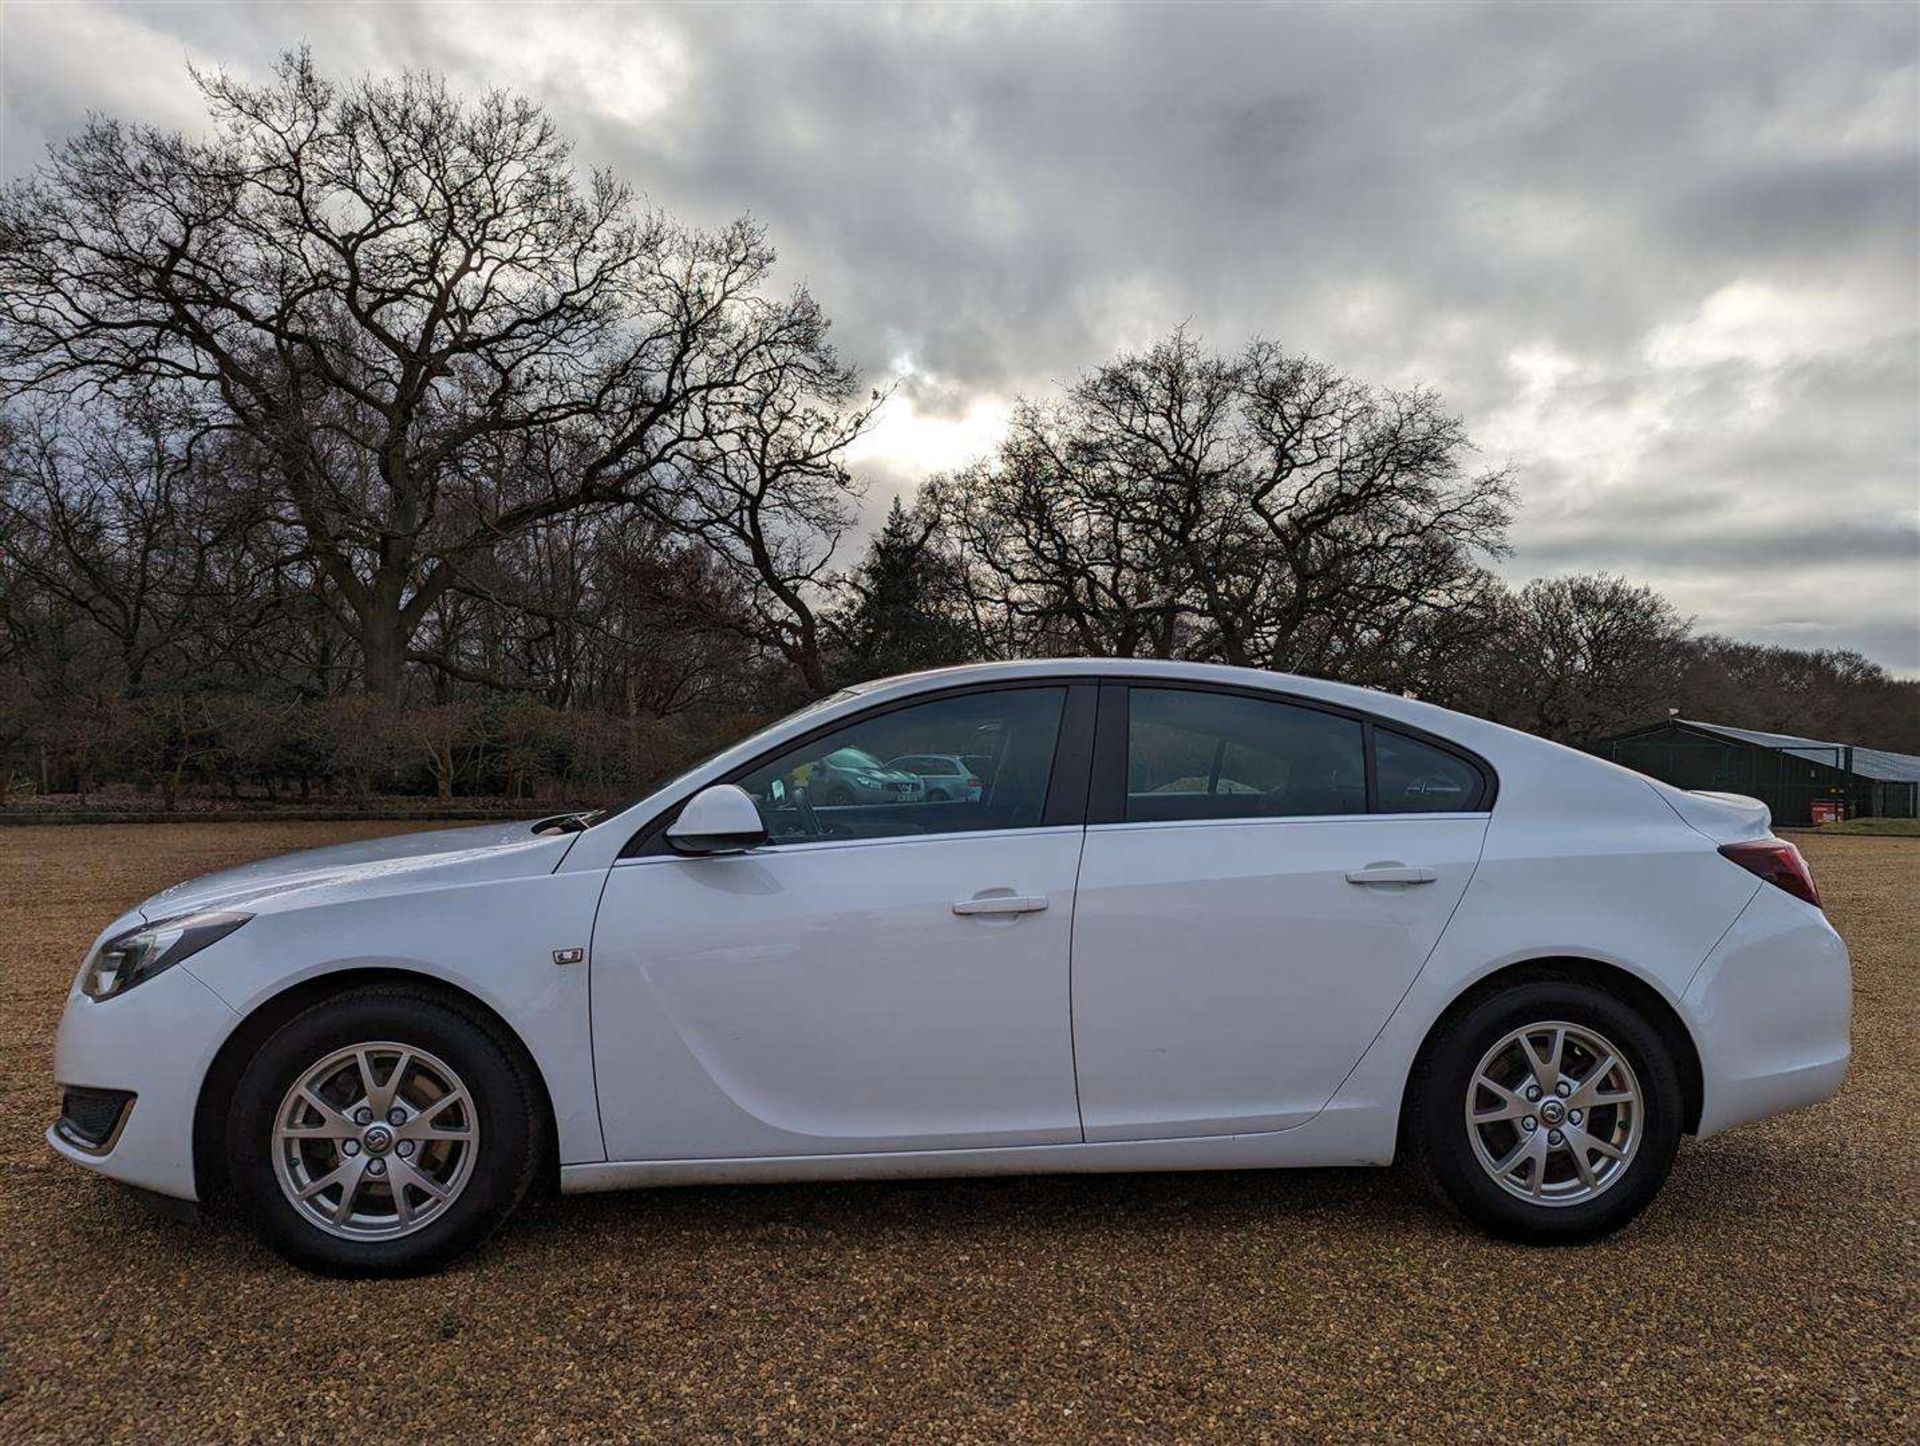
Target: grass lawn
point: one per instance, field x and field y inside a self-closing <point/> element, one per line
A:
<point x="1872" y="828"/>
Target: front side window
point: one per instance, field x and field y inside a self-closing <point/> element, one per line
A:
<point x="1201" y="755"/>
<point x="863" y="780"/>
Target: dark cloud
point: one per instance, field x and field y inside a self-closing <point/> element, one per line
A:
<point x="1663" y="260"/>
<point x="1683" y="544"/>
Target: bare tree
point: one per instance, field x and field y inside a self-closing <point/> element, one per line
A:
<point x="1578" y="658"/>
<point x="370" y="388"/>
<point x="613" y="613"/>
<point x="387" y="292"/>
<point x="104" y="516"/>
<point x="1826" y="693"/>
<point x="1259" y="509"/>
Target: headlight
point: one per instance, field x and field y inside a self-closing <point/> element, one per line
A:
<point x="137" y="955"/>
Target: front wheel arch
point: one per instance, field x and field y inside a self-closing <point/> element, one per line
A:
<point x="1624" y="985"/>
<point x="223" y="1075"/>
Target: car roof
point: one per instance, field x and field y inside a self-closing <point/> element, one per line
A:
<point x="1156" y="670"/>
<point x="1494" y="741"/>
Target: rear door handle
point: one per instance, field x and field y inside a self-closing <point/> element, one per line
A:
<point x="1001" y="904"/>
<point x="1390" y="874"/>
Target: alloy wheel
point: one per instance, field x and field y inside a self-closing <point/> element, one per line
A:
<point x="1555" y="1113"/>
<point x="375" y="1141"/>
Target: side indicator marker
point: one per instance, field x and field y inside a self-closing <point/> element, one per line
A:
<point x="568" y="956"/>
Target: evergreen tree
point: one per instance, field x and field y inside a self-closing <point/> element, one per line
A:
<point x="905" y="614"/>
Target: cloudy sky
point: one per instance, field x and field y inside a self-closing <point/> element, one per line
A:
<point x="1665" y="259"/>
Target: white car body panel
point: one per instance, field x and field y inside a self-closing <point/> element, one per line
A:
<point x="826" y="998"/>
<point x="381" y="865"/>
<point x="481" y="909"/>
<point x="1770" y="1013"/>
<point x="1203" y="949"/>
<point x="491" y="937"/>
<point x="119" y="1048"/>
<point x="817" y="1011"/>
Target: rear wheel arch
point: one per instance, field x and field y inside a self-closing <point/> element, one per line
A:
<point x="230" y="1061"/>
<point x="1623" y="984"/>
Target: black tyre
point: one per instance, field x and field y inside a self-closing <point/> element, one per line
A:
<point x="382" y="1132"/>
<point x="1547" y="1113"/>
<point x="839" y="796"/>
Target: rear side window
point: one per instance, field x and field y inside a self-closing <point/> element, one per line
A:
<point x="1416" y="777"/>
<point x="1201" y="755"/>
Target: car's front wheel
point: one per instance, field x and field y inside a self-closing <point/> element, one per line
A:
<point x="1548" y="1112"/>
<point x="381" y="1132"/>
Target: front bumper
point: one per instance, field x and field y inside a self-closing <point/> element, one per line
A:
<point x="1772" y="1011"/>
<point x="155" y="1042"/>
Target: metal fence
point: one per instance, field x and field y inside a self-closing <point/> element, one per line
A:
<point x="1893" y="799"/>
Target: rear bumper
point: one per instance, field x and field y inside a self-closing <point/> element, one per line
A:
<point x="1772" y="1011"/>
<point x="157" y="1050"/>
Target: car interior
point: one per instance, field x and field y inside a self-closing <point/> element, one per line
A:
<point x="1196" y="755"/>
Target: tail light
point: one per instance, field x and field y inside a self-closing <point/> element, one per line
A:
<point x="972" y="782"/>
<point x="1779" y="863"/>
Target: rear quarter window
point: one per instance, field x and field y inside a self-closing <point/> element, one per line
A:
<point x="1416" y="777"/>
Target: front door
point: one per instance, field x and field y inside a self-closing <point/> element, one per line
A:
<point x="1256" y="908"/>
<point x="889" y="972"/>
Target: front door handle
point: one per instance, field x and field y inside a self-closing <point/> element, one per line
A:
<point x="1390" y="874"/>
<point x="1001" y="904"/>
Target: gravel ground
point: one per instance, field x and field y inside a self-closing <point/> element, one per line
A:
<point x="1770" y="1293"/>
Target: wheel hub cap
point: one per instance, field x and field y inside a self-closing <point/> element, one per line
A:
<point x="1555" y="1113"/>
<point x="375" y="1141"/>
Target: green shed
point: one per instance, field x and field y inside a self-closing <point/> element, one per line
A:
<point x="1788" y="774"/>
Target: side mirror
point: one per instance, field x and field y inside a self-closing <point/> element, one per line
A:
<point x="717" y="820"/>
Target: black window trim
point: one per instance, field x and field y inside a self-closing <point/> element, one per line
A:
<point x="1107" y="794"/>
<point x="1067" y="779"/>
<point x="1088" y="782"/>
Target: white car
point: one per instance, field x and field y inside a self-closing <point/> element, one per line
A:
<point x="1199" y="918"/>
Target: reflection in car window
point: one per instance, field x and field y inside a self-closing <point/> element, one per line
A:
<point x="958" y="764"/>
<point x="1416" y="778"/>
<point x="1196" y="755"/>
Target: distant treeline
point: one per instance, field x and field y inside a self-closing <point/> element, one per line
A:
<point x="362" y="445"/>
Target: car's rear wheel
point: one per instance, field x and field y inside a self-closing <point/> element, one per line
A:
<point x="1549" y="1112"/>
<point x="381" y="1132"/>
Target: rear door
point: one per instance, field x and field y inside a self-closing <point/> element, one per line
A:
<point x="1261" y="881"/>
